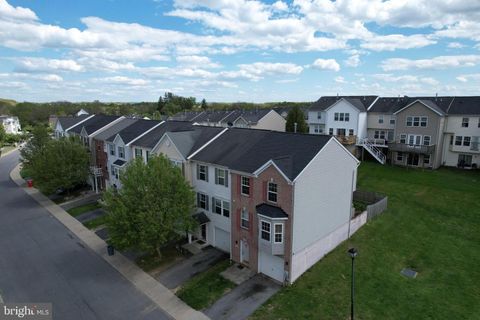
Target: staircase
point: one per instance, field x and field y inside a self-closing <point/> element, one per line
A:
<point x="374" y="151"/>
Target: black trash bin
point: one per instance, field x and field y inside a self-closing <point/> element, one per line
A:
<point x="110" y="250"/>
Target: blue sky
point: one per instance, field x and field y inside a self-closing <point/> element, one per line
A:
<point x="237" y="50"/>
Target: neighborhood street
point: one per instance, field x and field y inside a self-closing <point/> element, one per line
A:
<point x="41" y="261"/>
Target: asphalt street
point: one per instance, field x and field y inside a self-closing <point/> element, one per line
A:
<point x="41" y="261"/>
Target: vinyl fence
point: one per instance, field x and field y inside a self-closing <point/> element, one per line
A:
<point x="376" y="202"/>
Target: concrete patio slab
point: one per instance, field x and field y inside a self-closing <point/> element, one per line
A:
<point x="237" y="273"/>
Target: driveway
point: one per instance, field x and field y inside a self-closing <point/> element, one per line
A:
<point x="244" y="299"/>
<point x="41" y="261"/>
<point x="185" y="270"/>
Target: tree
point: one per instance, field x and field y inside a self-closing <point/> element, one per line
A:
<point x="152" y="208"/>
<point x="161" y="104"/>
<point x="3" y="135"/>
<point x="296" y="115"/>
<point x="204" y="104"/>
<point x="35" y="145"/>
<point x="59" y="164"/>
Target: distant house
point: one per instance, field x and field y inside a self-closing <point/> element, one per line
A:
<point x="11" y="124"/>
<point x="255" y="119"/>
<point x="63" y="124"/>
<point x="81" y="112"/>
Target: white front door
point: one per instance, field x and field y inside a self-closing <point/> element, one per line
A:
<point x="244" y="251"/>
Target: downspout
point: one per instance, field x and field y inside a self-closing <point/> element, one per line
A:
<point x="351" y="202"/>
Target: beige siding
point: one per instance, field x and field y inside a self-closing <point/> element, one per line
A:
<point x="271" y="121"/>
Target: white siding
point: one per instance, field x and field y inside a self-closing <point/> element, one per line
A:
<point x="345" y="107"/>
<point x="319" y="208"/>
<point x="453" y="127"/>
<point x="362" y="125"/>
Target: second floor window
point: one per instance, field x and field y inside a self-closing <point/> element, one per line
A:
<point x="379" y="134"/>
<point x="403" y="138"/>
<point x="111" y="149"/>
<point x="272" y="192"/>
<point x="458" y="140"/>
<point x="202" y="201"/>
<point x="330" y="131"/>
<point x="417" y="121"/>
<point x="221" y="177"/>
<point x="278" y="236"/>
<point x="380" y="119"/>
<point x="466" y="141"/>
<point x="121" y="152"/>
<point x="138" y="153"/>
<point x="392" y="120"/>
<point x="350" y="132"/>
<point x="426" y="140"/>
<point x="244" y="218"/>
<point x="265" y="232"/>
<point x="341" y="116"/>
<point x="221" y="207"/>
<point x="202" y="172"/>
<point x="245" y="186"/>
<point x="465" y="122"/>
<point x="319" y="115"/>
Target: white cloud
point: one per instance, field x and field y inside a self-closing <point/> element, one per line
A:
<point x="340" y="79"/>
<point x="46" y="65"/>
<point x="326" y="64"/>
<point x="287" y="80"/>
<point x="456" y="45"/>
<point x="440" y="62"/>
<point x="266" y="68"/>
<point x="406" y="79"/>
<point x="280" y="6"/>
<point x="469" y="77"/>
<point x="397" y="41"/>
<point x="121" y="80"/>
<point x="200" y="61"/>
<point x="8" y="12"/>
<point x="353" y="61"/>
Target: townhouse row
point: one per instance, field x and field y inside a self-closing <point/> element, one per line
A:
<point x="260" y="195"/>
<point x="410" y="131"/>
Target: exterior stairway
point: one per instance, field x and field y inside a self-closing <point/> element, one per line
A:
<point x="374" y="151"/>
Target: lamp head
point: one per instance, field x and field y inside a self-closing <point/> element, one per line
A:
<point x="352" y="252"/>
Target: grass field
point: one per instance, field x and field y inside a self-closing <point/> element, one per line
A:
<point x="82" y="209"/>
<point x="205" y="288"/>
<point x="432" y="225"/>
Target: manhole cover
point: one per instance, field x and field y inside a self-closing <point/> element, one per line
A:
<point x="410" y="273"/>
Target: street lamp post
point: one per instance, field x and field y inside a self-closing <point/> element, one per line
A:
<point x="353" y="253"/>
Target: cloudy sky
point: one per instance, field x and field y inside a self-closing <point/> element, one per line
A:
<point x="237" y="50"/>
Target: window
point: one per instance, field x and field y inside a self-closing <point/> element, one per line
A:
<point x="221" y="177"/>
<point x="319" y="115"/>
<point x="265" y="234"/>
<point x="426" y="140"/>
<point x="340" y="118"/>
<point x="278" y="233"/>
<point x="478" y="123"/>
<point x="202" y="172"/>
<point x="112" y="170"/>
<point x="464" y="160"/>
<point x="392" y="120"/>
<point x="399" y="156"/>
<point x="403" y="138"/>
<point x="390" y="135"/>
<point x="330" y="131"/>
<point x="138" y="153"/>
<point x="121" y="152"/>
<point x="147" y="155"/>
<point x="466" y="141"/>
<point x="417" y="121"/>
<point x="465" y="122"/>
<point x="350" y="132"/>
<point x="244" y="218"/>
<point x="458" y="140"/>
<point x="341" y="132"/>
<point x="316" y="128"/>
<point x="221" y="207"/>
<point x="409" y="121"/>
<point x="426" y="159"/>
<point x="379" y="134"/>
<point x="111" y="149"/>
<point x="347" y="116"/>
<point x="335" y="116"/>
<point x="423" y="121"/>
<point x="245" y="186"/>
<point x="380" y="119"/>
<point x="451" y="140"/>
<point x="202" y="201"/>
<point x="272" y="192"/>
<point x="414" y="139"/>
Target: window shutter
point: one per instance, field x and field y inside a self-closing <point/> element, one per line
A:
<point x="216" y="175"/>
<point x="250" y="182"/>
<point x="226" y="178"/>
<point x="213" y="204"/>
<point x="239" y="184"/>
<point x="265" y="190"/>
<point x="206" y="173"/>
<point x="198" y="171"/>
<point x="206" y="202"/>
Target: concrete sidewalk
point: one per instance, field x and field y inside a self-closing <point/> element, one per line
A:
<point x="159" y="294"/>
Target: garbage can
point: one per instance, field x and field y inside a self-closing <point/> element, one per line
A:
<point x="29" y="183"/>
<point x="110" y="250"/>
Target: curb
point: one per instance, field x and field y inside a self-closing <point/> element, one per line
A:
<point x="146" y="284"/>
<point x="8" y="152"/>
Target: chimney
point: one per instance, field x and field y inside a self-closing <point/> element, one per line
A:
<point x="436" y="97"/>
<point x="337" y="95"/>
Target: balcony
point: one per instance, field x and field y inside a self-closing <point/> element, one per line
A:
<point x="403" y="147"/>
<point x="347" y="140"/>
<point x="474" y="147"/>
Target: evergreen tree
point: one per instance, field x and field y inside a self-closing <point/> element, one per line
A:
<point x="296" y="115"/>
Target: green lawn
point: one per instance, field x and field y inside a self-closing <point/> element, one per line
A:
<point x="82" y="209"/>
<point x="432" y="224"/>
<point x="151" y="262"/>
<point x="94" y="223"/>
<point x="204" y="289"/>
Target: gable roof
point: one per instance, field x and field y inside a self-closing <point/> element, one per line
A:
<point x="428" y="102"/>
<point x="94" y="123"/>
<point x="247" y="150"/>
<point x="134" y="130"/>
<point x="465" y="106"/>
<point x="189" y="141"/>
<point x="391" y="105"/>
<point x="359" y="102"/>
<point x="67" y="122"/>
<point x="151" y="139"/>
<point x="271" y="211"/>
<point x="226" y="117"/>
<point x="114" y="129"/>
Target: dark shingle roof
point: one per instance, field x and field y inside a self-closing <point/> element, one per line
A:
<point x="107" y="133"/>
<point x="391" y="105"/>
<point x="247" y="150"/>
<point x="185" y="115"/>
<point x="189" y="141"/>
<point x="95" y="123"/>
<point x="271" y="211"/>
<point x="201" y="217"/>
<point x="359" y="102"/>
<point x="119" y="162"/>
<point x="465" y="106"/>
<point x="151" y="139"/>
<point x="134" y="130"/>
<point x="67" y="122"/>
<point x="222" y="116"/>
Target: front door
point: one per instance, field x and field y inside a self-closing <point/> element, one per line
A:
<point x="244" y="254"/>
<point x="203" y="231"/>
<point x="412" y="159"/>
